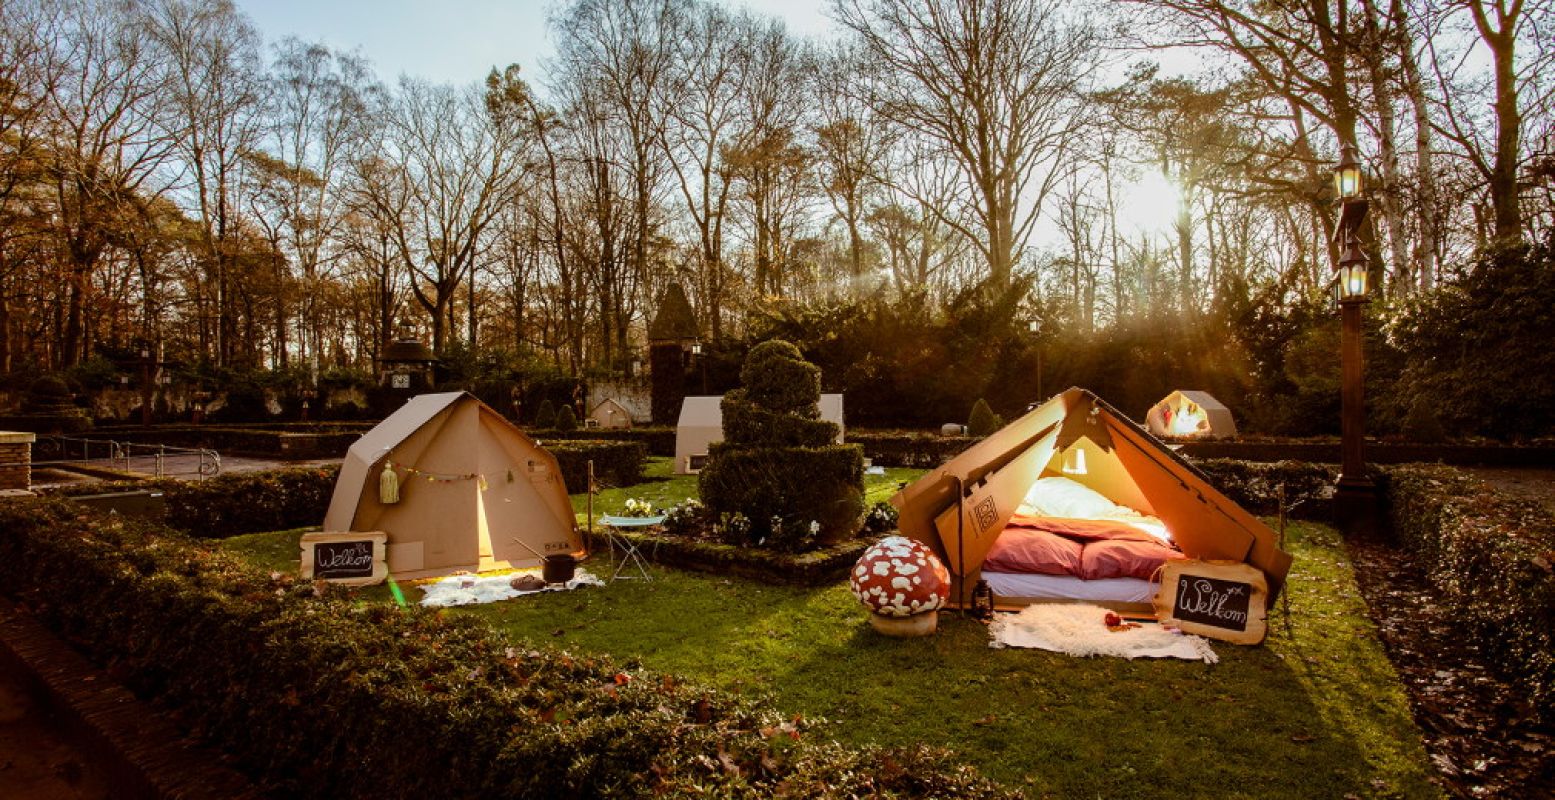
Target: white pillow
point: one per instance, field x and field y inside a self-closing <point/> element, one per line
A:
<point x="1062" y="497"/>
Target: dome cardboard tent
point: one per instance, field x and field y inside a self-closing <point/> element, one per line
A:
<point x="1166" y="417"/>
<point x="611" y="414"/>
<point x="1123" y="462"/>
<point x="702" y="423"/>
<point x="475" y="492"/>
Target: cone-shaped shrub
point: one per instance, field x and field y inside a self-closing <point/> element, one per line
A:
<point x="777" y="464"/>
<point x="545" y="415"/>
<point x="982" y="421"/>
<point x="566" y="420"/>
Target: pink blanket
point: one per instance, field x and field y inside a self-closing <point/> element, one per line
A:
<point x="1085" y="548"/>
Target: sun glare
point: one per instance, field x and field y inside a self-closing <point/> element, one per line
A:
<point x="1149" y="205"/>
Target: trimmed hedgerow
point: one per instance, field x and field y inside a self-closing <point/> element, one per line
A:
<point x="1489" y="555"/>
<point x="908" y="449"/>
<point x="659" y="441"/>
<point x="318" y="696"/>
<point x="1255" y="485"/>
<point x="615" y="463"/>
<point x="239" y="503"/>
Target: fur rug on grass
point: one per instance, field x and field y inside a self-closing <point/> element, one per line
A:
<point x="1078" y="630"/>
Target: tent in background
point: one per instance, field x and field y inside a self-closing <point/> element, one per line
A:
<point x="611" y="414"/>
<point x="474" y="492"/>
<point x="1189" y="413"/>
<point x="961" y="507"/>
<point x="702" y="423"/>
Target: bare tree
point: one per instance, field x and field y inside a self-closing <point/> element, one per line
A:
<point x="853" y="144"/>
<point x="996" y="85"/>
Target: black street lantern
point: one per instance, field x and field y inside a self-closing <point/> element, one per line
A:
<point x="1347" y="174"/>
<point x="1354" y="273"/>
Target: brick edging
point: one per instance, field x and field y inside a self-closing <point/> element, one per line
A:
<point x="140" y="751"/>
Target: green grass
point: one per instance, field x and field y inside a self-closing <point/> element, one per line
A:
<point x="1317" y="711"/>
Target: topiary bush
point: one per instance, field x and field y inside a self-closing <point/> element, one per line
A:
<point x="545" y="415"/>
<point x="777" y="464"/>
<point x="982" y="421"/>
<point x="566" y="421"/>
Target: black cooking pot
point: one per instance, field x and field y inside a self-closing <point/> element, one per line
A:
<point x="559" y="569"/>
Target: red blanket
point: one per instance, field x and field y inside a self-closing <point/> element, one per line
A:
<point x="1086" y="548"/>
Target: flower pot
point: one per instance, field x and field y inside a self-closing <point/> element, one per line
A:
<point x="920" y="624"/>
<point x="559" y="569"/>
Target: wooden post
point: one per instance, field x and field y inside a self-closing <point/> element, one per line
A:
<point x="1355" y="496"/>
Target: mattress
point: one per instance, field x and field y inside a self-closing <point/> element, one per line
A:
<point x="1068" y="587"/>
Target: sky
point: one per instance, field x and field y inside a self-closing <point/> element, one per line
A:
<point x="457" y="41"/>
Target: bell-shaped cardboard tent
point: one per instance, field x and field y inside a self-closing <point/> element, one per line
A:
<point x="469" y="491"/>
<point x="961" y="507"/>
<point x="1189" y="413"/>
<point x="611" y="414"/>
<point x="702" y="423"/>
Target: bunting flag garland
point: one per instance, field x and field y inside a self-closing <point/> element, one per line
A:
<point x="389" y="468"/>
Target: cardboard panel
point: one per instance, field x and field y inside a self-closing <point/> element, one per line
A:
<point x="987" y="507"/>
<point x="1225" y="600"/>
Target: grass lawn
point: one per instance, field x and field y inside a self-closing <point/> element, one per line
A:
<point x="1315" y="712"/>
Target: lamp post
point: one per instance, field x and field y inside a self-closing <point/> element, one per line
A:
<point x="145" y="386"/>
<point x="1035" y="326"/>
<point x="1355" y="496"/>
<point x="696" y="353"/>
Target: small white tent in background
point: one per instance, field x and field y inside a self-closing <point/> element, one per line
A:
<point x="611" y="414"/>
<point x="464" y="490"/>
<point x="1190" y="413"/>
<point x="702" y="423"/>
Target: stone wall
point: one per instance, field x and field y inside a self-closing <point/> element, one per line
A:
<point x="16" y="460"/>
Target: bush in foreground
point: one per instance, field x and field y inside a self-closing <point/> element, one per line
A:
<point x="322" y="697"/>
<point x="1489" y="556"/>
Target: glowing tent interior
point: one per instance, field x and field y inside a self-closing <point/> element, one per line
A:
<point x="964" y="508"/>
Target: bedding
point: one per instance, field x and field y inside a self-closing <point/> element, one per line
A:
<point x="1084" y="548"/>
<point x="1068" y="587"/>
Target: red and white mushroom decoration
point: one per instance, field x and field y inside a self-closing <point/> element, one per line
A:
<point x="899" y="577"/>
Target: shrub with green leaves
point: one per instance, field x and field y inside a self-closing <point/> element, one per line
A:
<point x="566" y="421"/>
<point x="545" y="415"/>
<point x="318" y="695"/>
<point x="1488" y="554"/>
<point x="777" y="460"/>
<point x="982" y="421"/>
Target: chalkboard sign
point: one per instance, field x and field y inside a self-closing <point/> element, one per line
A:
<point x="1212" y="601"/>
<point x="343" y="559"/>
<point x="1220" y="599"/>
<point x="350" y="558"/>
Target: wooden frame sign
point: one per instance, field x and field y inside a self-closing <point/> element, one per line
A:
<point x="352" y="559"/>
<point x="1225" y="600"/>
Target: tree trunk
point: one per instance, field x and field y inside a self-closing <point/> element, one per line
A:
<point x="1425" y="170"/>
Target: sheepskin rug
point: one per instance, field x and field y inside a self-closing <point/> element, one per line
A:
<point x="1078" y="630"/>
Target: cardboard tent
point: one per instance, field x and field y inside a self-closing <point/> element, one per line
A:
<point x="475" y="493"/>
<point x="611" y="414"/>
<point x="961" y="507"/>
<point x="702" y="423"/>
<point x="1190" y="413"/>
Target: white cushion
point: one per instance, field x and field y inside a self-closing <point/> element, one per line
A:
<point x="1062" y="497"/>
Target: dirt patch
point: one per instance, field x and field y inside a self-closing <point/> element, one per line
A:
<point x="1478" y="727"/>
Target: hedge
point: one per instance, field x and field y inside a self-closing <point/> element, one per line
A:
<point x="235" y="504"/>
<point x="820" y="567"/>
<point x="319" y="696"/>
<point x="1488" y="555"/>
<point x="1255" y="485"/>
<point x="909" y="449"/>
<point x="615" y="463"/>
<point x="658" y="441"/>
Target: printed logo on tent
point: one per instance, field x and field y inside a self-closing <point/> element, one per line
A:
<point x="985" y="514"/>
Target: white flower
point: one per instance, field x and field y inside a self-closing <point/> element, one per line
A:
<point x="815" y="527"/>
